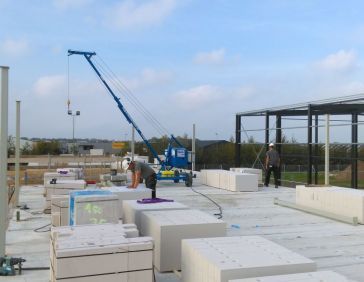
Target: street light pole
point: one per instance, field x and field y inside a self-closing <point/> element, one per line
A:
<point x="73" y="127"/>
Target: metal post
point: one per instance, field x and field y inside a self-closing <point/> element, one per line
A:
<point x="354" y="151"/>
<point x="4" y="78"/>
<point x="316" y="149"/>
<point x="194" y="147"/>
<point x="267" y="131"/>
<point x="73" y="134"/>
<point x="132" y="142"/>
<point x="327" y="150"/>
<point x="279" y="143"/>
<point x="237" y="140"/>
<point x="309" y="144"/>
<point x="17" y="154"/>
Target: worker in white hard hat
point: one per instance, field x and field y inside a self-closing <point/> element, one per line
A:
<point x="141" y="170"/>
<point x="272" y="163"/>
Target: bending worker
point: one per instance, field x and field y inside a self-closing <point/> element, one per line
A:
<point x="272" y="162"/>
<point x="141" y="170"/>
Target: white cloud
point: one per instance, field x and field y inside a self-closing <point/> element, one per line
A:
<point x="15" y="48"/>
<point x="148" y="77"/>
<point x="50" y="85"/>
<point x="212" y="57"/>
<point x="341" y="61"/>
<point x="130" y="13"/>
<point x="199" y="96"/>
<point x="70" y="4"/>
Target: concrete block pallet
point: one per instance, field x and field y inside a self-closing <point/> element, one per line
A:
<point x="336" y="200"/>
<point x="249" y="170"/>
<point x="168" y="228"/>
<point x="76" y="170"/>
<point x="230" y="180"/>
<point x="48" y="176"/>
<point x="320" y="276"/>
<point x="132" y="210"/>
<point x="227" y="258"/>
<point x="98" y="254"/>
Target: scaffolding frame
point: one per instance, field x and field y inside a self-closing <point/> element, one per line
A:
<point x="347" y="105"/>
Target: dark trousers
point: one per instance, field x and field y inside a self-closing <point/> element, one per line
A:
<point x="151" y="183"/>
<point x="275" y="170"/>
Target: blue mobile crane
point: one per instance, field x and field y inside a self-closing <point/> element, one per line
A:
<point x="176" y="159"/>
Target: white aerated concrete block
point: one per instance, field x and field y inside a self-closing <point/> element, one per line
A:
<point x="337" y="200"/>
<point x="168" y="228"/>
<point x="320" y="276"/>
<point x="96" y="209"/>
<point x="63" y="187"/>
<point x="48" y="176"/>
<point x="76" y="170"/>
<point x="134" y="276"/>
<point x="132" y="210"/>
<point x="227" y="258"/>
<point x="249" y="170"/>
<point x="60" y="206"/>
<point x="125" y="193"/>
<point x="230" y="180"/>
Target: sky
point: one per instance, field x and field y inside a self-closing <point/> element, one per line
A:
<point x="187" y="62"/>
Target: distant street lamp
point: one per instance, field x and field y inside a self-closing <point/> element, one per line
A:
<point x="73" y="127"/>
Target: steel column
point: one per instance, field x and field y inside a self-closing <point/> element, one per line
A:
<point x="267" y="131"/>
<point x="316" y="149"/>
<point x="309" y="144"/>
<point x="237" y="140"/>
<point x="354" y="151"/>
<point x="279" y="143"/>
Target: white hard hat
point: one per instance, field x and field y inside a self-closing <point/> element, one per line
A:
<point x="125" y="163"/>
<point x="271" y="145"/>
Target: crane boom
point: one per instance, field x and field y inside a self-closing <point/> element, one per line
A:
<point x="88" y="56"/>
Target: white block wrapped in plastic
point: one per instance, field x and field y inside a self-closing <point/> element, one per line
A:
<point x="96" y="257"/>
<point x="319" y="276"/>
<point x="93" y="207"/>
<point x="168" y="228"/>
<point x="125" y="194"/>
<point x="48" y="176"/>
<point x="249" y="170"/>
<point x="227" y="258"/>
<point x="132" y="210"/>
<point x="337" y="200"/>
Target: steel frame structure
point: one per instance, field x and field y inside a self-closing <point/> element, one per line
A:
<point x="348" y="105"/>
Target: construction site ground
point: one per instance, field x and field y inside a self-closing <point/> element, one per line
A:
<point x="332" y="245"/>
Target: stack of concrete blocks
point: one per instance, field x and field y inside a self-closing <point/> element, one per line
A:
<point x="336" y="200"/>
<point x="320" y="276"/>
<point x="98" y="254"/>
<point x="257" y="171"/>
<point x="119" y="179"/>
<point x="59" y="210"/>
<point x="125" y="194"/>
<point x="96" y="209"/>
<point x="230" y="180"/>
<point x="227" y="258"/>
<point x="61" y="187"/>
<point x="132" y="210"/>
<point x="76" y="170"/>
<point x="48" y="176"/>
<point x="168" y="228"/>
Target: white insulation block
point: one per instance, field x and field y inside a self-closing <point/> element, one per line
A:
<point x="125" y="193"/>
<point x="249" y="170"/>
<point x="168" y="228"/>
<point x="227" y="258"/>
<point x="320" y="276"/>
<point x="337" y="200"/>
<point x="132" y="210"/>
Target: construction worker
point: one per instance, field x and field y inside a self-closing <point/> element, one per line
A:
<point x="272" y="162"/>
<point x="141" y="170"/>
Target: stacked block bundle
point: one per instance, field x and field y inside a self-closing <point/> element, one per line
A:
<point x="320" y="276"/>
<point x="98" y="254"/>
<point x="336" y="200"/>
<point x="48" y="176"/>
<point x="249" y="170"/>
<point x="230" y="180"/>
<point x="168" y="228"/>
<point x="227" y="258"/>
<point x="118" y="179"/>
<point x="78" y="171"/>
<point x="132" y="210"/>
